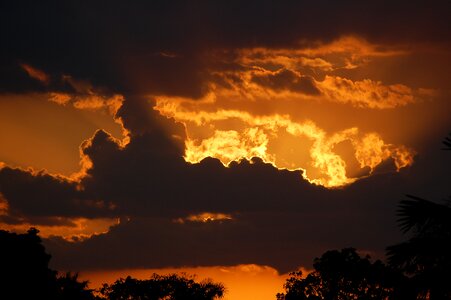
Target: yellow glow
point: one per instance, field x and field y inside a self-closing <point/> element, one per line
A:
<point x="205" y="217"/>
<point x="245" y="113"/>
<point x="325" y="166"/>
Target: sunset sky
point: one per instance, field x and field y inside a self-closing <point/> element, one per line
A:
<point x="236" y="140"/>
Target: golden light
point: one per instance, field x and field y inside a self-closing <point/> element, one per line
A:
<point x="256" y="111"/>
<point x="324" y="165"/>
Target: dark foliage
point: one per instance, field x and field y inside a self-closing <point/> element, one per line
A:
<point x="345" y="275"/>
<point x="70" y="288"/>
<point x="24" y="275"/>
<point x="170" y="287"/>
<point x="24" y="271"/>
<point x="426" y="255"/>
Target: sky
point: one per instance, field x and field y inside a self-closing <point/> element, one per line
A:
<point x="236" y="140"/>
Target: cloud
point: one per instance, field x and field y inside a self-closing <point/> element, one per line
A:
<point x="132" y="53"/>
<point x="90" y="101"/>
<point x="270" y="216"/>
<point x="71" y="230"/>
<point x="285" y="79"/>
<point x="344" y="52"/>
<point x="323" y="166"/>
<point x="218" y="59"/>
<point x="45" y="195"/>
<point x="36" y="73"/>
<point x="366" y="93"/>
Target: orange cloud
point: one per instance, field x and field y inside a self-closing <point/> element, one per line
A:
<point x="347" y="52"/>
<point x="91" y="101"/>
<point x="3" y="205"/>
<point x="36" y="73"/>
<point x="204" y="218"/>
<point x="70" y="229"/>
<point x="258" y="83"/>
<point x="59" y="98"/>
<point x="353" y="45"/>
<point x="365" y="93"/>
<point x="86" y="97"/>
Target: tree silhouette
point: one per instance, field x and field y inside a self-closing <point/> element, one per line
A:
<point x="170" y="287"/>
<point x="344" y="275"/>
<point x="426" y="255"/>
<point x="24" y="271"/>
<point x="25" y="275"/>
<point x="70" y="288"/>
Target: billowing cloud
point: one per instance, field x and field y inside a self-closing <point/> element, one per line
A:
<point x="265" y="215"/>
<point x="257" y="132"/>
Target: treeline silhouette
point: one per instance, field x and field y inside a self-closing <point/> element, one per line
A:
<point x="418" y="268"/>
<point x="25" y="275"/>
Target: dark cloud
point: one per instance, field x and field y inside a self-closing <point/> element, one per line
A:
<point x="38" y="197"/>
<point x="159" y="47"/>
<point x="278" y="218"/>
<point x="285" y="79"/>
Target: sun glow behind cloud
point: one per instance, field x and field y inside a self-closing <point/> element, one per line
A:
<point x="258" y="106"/>
<point x="227" y="124"/>
<point x="324" y="166"/>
